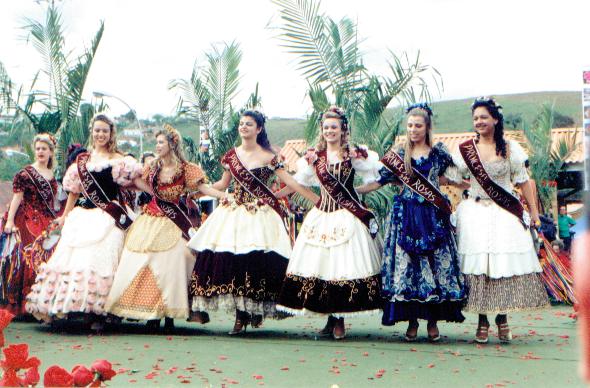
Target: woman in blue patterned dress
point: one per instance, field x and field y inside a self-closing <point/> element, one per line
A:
<point x="421" y="275"/>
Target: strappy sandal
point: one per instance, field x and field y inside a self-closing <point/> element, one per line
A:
<point x="482" y="334"/>
<point x="412" y="332"/>
<point x="433" y="333"/>
<point x="504" y="333"/>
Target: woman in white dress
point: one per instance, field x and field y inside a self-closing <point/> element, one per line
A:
<point x="336" y="262"/>
<point x="494" y="243"/>
<point x="77" y="278"/>
<point x="243" y="247"/>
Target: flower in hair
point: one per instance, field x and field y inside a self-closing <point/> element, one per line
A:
<point x="488" y="101"/>
<point x="420" y="105"/>
<point x="172" y="133"/>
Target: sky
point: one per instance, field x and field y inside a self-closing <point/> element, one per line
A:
<point x="479" y="47"/>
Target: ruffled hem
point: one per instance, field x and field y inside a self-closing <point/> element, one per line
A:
<point x="239" y="231"/>
<point x="310" y="313"/>
<point x="231" y="303"/>
<point x="398" y="311"/>
<point x="57" y="293"/>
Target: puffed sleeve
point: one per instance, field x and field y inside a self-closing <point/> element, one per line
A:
<point x="125" y="170"/>
<point x="225" y="162"/>
<point x="518" y="158"/>
<point x="19" y="182"/>
<point x="305" y="174"/>
<point x="457" y="169"/>
<point x="71" y="182"/>
<point x="367" y="167"/>
<point x="443" y="157"/>
<point x="193" y="176"/>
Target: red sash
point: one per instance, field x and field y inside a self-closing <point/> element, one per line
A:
<point x="93" y="192"/>
<point x="497" y="193"/>
<point x="416" y="182"/>
<point x="342" y="195"/>
<point x="170" y="209"/>
<point x="44" y="189"/>
<point x="252" y="184"/>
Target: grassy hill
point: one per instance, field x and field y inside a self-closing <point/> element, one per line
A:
<point x="450" y="116"/>
<point x="455" y="115"/>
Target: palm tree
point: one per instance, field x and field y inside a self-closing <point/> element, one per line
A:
<point x="545" y="169"/>
<point x="207" y="97"/>
<point x="65" y="76"/>
<point x="330" y="59"/>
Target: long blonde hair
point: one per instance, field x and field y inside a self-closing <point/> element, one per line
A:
<point x="334" y="112"/>
<point x="409" y="145"/>
<point x="174" y="142"/>
<point x="112" y="144"/>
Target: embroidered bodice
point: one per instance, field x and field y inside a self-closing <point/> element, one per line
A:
<point x="32" y="201"/>
<point x="433" y="166"/>
<point x="263" y="174"/>
<point x="345" y="171"/>
<point x="505" y="172"/>
<point x="188" y="178"/>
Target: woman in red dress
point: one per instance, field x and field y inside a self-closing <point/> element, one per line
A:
<point x="33" y="207"/>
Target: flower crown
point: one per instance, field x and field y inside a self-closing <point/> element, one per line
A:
<point x="489" y="101"/>
<point x="340" y="112"/>
<point x="420" y="105"/>
<point x="172" y="134"/>
<point x="46" y="137"/>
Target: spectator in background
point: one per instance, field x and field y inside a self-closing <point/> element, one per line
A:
<point x="205" y="142"/>
<point x="548" y="227"/>
<point x="565" y="222"/>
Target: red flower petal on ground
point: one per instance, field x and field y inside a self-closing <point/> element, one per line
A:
<point x="104" y="369"/>
<point x="82" y="376"/>
<point x="32" y="377"/>
<point x="56" y="376"/>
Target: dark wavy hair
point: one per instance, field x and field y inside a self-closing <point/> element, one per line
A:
<point x="495" y="110"/>
<point x="260" y="119"/>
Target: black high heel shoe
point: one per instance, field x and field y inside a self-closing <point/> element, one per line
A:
<point x="242" y="321"/>
<point x="329" y="328"/>
<point x="169" y="325"/>
<point x="153" y="325"/>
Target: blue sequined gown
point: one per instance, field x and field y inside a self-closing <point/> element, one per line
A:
<point x="421" y="274"/>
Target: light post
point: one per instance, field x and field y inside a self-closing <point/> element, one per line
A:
<point x="102" y="95"/>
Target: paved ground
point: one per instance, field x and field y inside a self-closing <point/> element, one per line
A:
<point x="288" y="354"/>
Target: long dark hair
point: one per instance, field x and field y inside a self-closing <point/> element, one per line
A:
<point x="262" y="137"/>
<point x="495" y="110"/>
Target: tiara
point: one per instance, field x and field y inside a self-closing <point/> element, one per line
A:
<point x="490" y="101"/>
<point x="420" y="105"/>
<point x="46" y="136"/>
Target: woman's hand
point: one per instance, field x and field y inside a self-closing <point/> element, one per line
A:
<point x="59" y="221"/>
<point x="9" y="227"/>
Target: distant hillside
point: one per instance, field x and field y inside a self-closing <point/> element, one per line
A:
<point x="455" y="115"/>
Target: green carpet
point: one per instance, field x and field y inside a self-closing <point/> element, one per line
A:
<point x="287" y="353"/>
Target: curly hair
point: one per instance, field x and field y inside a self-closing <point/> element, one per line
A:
<point x="334" y="112"/>
<point x="112" y="144"/>
<point x="50" y="141"/>
<point x="174" y="142"/>
<point x="417" y="110"/>
<point x="495" y="110"/>
<point x="260" y="119"/>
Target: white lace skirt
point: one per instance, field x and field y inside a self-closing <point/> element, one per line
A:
<point x="78" y="276"/>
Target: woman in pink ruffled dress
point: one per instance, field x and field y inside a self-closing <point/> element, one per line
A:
<point x="77" y="278"/>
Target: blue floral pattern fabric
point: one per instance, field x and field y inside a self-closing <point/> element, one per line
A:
<point x="420" y="273"/>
